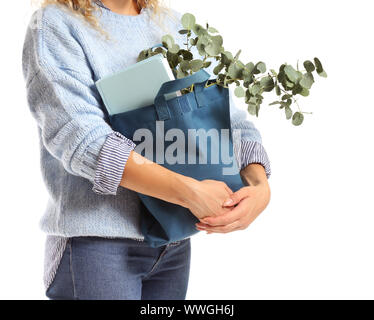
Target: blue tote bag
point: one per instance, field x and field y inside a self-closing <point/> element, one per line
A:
<point x="207" y="109"/>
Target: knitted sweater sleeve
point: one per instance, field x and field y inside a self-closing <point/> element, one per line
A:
<point x="62" y="98"/>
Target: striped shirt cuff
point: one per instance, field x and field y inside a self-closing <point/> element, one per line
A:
<point x="254" y="152"/>
<point x="111" y="163"/>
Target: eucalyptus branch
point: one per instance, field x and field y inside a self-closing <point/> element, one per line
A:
<point x="252" y="79"/>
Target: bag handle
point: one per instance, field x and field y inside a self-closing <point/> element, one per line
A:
<point x="175" y="85"/>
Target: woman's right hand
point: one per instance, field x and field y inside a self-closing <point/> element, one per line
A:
<point x="203" y="198"/>
<point x="207" y="197"/>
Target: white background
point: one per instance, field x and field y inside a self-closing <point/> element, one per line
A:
<point x="315" y="239"/>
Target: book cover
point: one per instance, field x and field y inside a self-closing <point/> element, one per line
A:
<point x="135" y="86"/>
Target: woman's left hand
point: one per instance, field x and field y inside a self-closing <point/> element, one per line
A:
<point x="247" y="203"/>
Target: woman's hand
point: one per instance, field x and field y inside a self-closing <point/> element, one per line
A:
<point x="203" y="198"/>
<point x="246" y="204"/>
<point x="207" y="198"/>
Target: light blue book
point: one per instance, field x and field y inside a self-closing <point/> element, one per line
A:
<point x="136" y="86"/>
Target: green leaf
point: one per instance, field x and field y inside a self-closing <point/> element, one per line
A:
<point x="185" y="65"/>
<point x="255" y="89"/>
<point x="250" y="67"/>
<point x="305" y="92"/>
<point x="286" y="96"/>
<point x="238" y="54"/>
<point x="252" y="109"/>
<point x="167" y="40"/>
<point x="199" y="30"/>
<point x="193" y="41"/>
<point x="278" y="90"/>
<point x="257" y="109"/>
<point x="196" y="65"/>
<point x="173" y="59"/>
<point x="260" y="67"/>
<point x="274" y="103"/>
<point x="307" y="80"/>
<point x="309" y="66"/>
<point x="218" y="68"/>
<point x="161" y="50"/>
<point x="214" y="45"/>
<point x="239" y="92"/>
<point x="142" y="56"/>
<point x="187" y="55"/>
<point x="188" y="21"/>
<point x="288" y="112"/>
<point x="207" y="64"/>
<point x="181" y="74"/>
<point x="297" y="118"/>
<point x="234" y="71"/>
<point x="319" y="68"/>
<point x="174" y="48"/>
<point x="267" y="83"/>
<point x="212" y="30"/>
<point x="291" y="73"/>
<point x="273" y="72"/>
<point x="226" y="57"/>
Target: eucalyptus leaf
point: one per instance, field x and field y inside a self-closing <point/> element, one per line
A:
<point x="305" y="92"/>
<point x="297" y="118"/>
<point x="239" y="92"/>
<point x="274" y="103"/>
<point x="196" y="65"/>
<point x="168" y="40"/>
<point x="207" y="64"/>
<point x="286" y="96"/>
<point x="307" y="81"/>
<point x="267" y="83"/>
<point x="291" y="73"/>
<point x="250" y="79"/>
<point x="185" y="65"/>
<point x="260" y="67"/>
<point x="278" y="90"/>
<point x="226" y="57"/>
<point x="252" y="109"/>
<point x="255" y="89"/>
<point x="319" y="68"/>
<point x="188" y="21"/>
<point x="187" y="55"/>
<point x="234" y="71"/>
<point x="309" y="66"/>
<point x="250" y="67"/>
<point x="212" y="30"/>
<point x="193" y="41"/>
<point x="199" y="30"/>
<point x="174" y="49"/>
<point x="218" y="68"/>
<point x="181" y="74"/>
<point x="288" y="112"/>
<point x="237" y="55"/>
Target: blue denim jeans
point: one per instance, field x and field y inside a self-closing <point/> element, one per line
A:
<point x="94" y="268"/>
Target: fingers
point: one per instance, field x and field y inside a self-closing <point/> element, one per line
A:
<point x="228" y="189"/>
<point x="237" y="225"/>
<point x="236" y="197"/>
<point x="226" y="218"/>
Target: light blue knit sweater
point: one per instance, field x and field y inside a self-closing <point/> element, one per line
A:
<point x="63" y="56"/>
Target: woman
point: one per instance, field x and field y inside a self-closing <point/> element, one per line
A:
<point x="94" y="247"/>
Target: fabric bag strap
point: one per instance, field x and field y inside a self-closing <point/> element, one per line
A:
<point x="175" y="85"/>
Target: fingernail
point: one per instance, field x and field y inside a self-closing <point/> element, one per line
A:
<point x="228" y="202"/>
